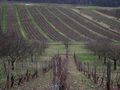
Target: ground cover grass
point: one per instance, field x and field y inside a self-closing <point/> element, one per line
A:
<point x="23" y="33"/>
<point x="88" y="57"/>
<point x="4" y="17"/>
<point x="37" y="26"/>
<point x="2" y="76"/>
<point x="46" y="19"/>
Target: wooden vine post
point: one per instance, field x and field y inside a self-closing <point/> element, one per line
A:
<point x="108" y="75"/>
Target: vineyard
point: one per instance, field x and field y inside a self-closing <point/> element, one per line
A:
<point x="111" y="12"/>
<point x="55" y="47"/>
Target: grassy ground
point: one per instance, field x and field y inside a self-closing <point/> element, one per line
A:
<point x="37" y="26"/>
<point x="2" y="76"/>
<point x="77" y="80"/>
<point x="88" y="57"/>
<point x="4" y="17"/>
<point x="73" y="47"/>
<point x="46" y="19"/>
<point x="23" y="33"/>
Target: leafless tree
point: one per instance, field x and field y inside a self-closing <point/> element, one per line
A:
<point x="106" y="50"/>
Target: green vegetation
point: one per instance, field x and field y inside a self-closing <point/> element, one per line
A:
<point x="73" y="47"/>
<point x="116" y="42"/>
<point x="78" y="48"/>
<point x="53" y="25"/>
<point x="24" y="34"/>
<point x="37" y="26"/>
<point x="88" y="57"/>
<point x="54" y="48"/>
<point x="4" y="17"/>
<point x="2" y="76"/>
<point x="63" y="22"/>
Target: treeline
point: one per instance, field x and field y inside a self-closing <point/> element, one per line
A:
<point x="81" y="2"/>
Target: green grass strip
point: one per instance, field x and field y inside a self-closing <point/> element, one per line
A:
<point x="24" y="34"/>
<point x="53" y="25"/>
<point x="65" y="23"/>
<point x="54" y="48"/>
<point x="4" y="17"/>
<point x="36" y="25"/>
<point x="116" y="42"/>
<point x="87" y="57"/>
<point x="2" y="74"/>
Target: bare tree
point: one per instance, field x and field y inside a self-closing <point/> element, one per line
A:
<point x="106" y="50"/>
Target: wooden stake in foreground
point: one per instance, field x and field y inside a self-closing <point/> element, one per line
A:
<point x="108" y="75"/>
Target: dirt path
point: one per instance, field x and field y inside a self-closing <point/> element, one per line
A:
<point x="76" y="80"/>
